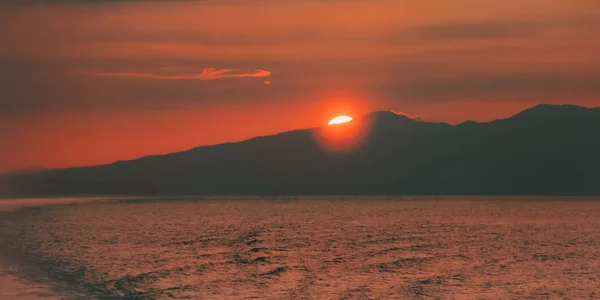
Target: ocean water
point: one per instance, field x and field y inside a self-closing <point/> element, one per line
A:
<point x="304" y="248"/>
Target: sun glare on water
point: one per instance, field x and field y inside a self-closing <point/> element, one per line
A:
<point x="339" y="120"/>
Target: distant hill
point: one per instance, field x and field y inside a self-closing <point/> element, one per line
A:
<point x="544" y="150"/>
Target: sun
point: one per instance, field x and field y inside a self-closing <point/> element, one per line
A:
<point x="339" y="120"/>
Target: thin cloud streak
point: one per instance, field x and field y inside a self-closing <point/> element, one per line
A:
<point x="207" y="74"/>
<point x="414" y="117"/>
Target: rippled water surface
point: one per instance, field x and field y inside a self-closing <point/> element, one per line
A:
<point x="313" y="248"/>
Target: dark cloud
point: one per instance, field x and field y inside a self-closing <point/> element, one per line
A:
<point x="472" y="30"/>
<point x="444" y="32"/>
<point x="29" y="2"/>
<point x="513" y="87"/>
<point x="58" y="85"/>
<point x="494" y="29"/>
<point x="18" y="3"/>
<point x="52" y="91"/>
<point x="37" y="89"/>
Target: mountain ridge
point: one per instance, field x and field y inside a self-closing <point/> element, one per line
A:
<point x="545" y="150"/>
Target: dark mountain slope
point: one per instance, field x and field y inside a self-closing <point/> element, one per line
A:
<point x="545" y="150"/>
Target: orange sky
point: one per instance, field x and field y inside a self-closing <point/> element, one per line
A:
<point x="91" y="82"/>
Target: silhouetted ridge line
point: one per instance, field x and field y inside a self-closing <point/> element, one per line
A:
<point x="544" y="150"/>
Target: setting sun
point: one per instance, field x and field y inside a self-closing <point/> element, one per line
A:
<point x="339" y="120"/>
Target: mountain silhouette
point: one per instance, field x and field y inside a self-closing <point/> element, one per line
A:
<point x="544" y="150"/>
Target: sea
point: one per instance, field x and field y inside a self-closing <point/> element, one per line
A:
<point x="320" y="247"/>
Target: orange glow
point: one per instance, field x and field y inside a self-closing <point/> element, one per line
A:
<point x="349" y="137"/>
<point x="339" y="120"/>
<point x="166" y="80"/>
<point x="92" y="139"/>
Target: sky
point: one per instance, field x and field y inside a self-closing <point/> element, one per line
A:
<point x="86" y="82"/>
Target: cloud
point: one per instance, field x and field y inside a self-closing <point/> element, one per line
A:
<point x="546" y="86"/>
<point x="206" y="74"/>
<point x="48" y="87"/>
<point x="50" y="2"/>
<point x="492" y="29"/>
<point x="26" y="2"/>
<point x="414" y="117"/>
<point x="169" y="68"/>
<point x="20" y="3"/>
<point x="479" y="30"/>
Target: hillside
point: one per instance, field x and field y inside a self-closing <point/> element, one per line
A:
<point x="544" y="150"/>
